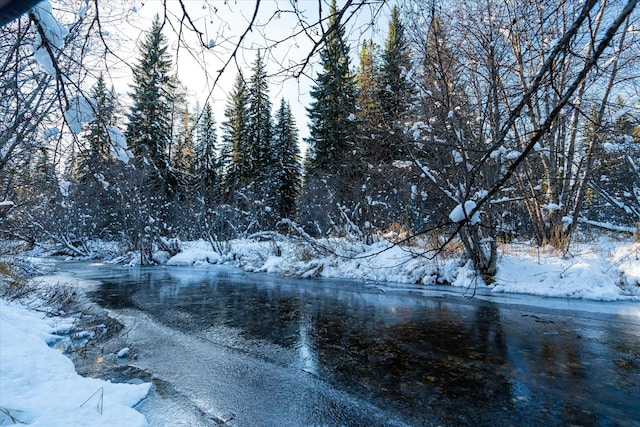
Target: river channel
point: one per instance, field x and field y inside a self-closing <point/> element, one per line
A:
<point x="225" y="347"/>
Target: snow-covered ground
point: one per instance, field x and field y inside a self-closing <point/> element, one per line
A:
<point x="39" y="385"/>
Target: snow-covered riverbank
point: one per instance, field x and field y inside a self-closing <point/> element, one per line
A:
<point x="39" y="385"/>
<point x="607" y="270"/>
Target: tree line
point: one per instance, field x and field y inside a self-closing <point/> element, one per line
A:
<point x="525" y="126"/>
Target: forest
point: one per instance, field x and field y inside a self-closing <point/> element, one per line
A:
<point x="471" y="123"/>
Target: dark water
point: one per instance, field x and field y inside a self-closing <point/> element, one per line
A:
<point x="399" y="355"/>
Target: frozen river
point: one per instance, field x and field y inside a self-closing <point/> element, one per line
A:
<point x="225" y="347"/>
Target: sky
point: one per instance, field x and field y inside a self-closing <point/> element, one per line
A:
<point x="221" y="24"/>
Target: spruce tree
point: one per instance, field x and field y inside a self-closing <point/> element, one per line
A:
<point x="235" y="152"/>
<point x="179" y="120"/>
<point x="259" y="129"/>
<point x="397" y="92"/>
<point x="333" y="128"/>
<point x="43" y="173"/>
<point x="98" y="150"/>
<point x="207" y="165"/>
<point x="44" y="193"/>
<point x="149" y="133"/>
<point x="333" y="175"/>
<point x="97" y="171"/>
<point x="184" y="155"/>
<point x="370" y="114"/>
<point x="287" y="153"/>
<point x="149" y="128"/>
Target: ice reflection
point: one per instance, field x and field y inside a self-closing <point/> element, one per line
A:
<point x="308" y="357"/>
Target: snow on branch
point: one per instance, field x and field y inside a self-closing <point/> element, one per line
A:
<point x="51" y="34"/>
<point x="464" y="212"/>
<point x="609" y="226"/>
<point x="80" y="111"/>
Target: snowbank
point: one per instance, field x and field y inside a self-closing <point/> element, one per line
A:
<point x="603" y="271"/>
<point x="194" y="253"/>
<point x="587" y="275"/>
<point x="39" y="385"/>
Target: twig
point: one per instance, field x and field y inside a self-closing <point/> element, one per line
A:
<point x="100" y="404"/>
<point x="13" y="419"/>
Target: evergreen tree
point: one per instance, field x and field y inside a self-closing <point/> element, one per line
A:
<point x="333" y="176"/>
<point x="179" y="120"/>
<point x="98" y="151"/>
<point x="43" y="172"/>
<point x="333" y="129"/>
<point x="149" y="134"/>
<point x="440" y="79"/>
<point x="370" y="115"/>
<point x="234" y="153"/>
<point x="97" y="173"/>
<point x="287" y="153"/>
<point x="259" y="129"/>
<point x="149" y="128"/>
<point x="396" y="90"/>
<point x="44" y="194"/>
<point x="207" y="165"/>
<point x="184" y="155"/>
<point x="383" y="189"/>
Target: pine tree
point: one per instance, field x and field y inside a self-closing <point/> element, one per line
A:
<point x="149" y="128"/>
<point x="287" y="153"/>
<point x="234" y="153"/>
<point x="333" y="129"/>
<point x="396" y="90"/>
<point x="207" y="165"/>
